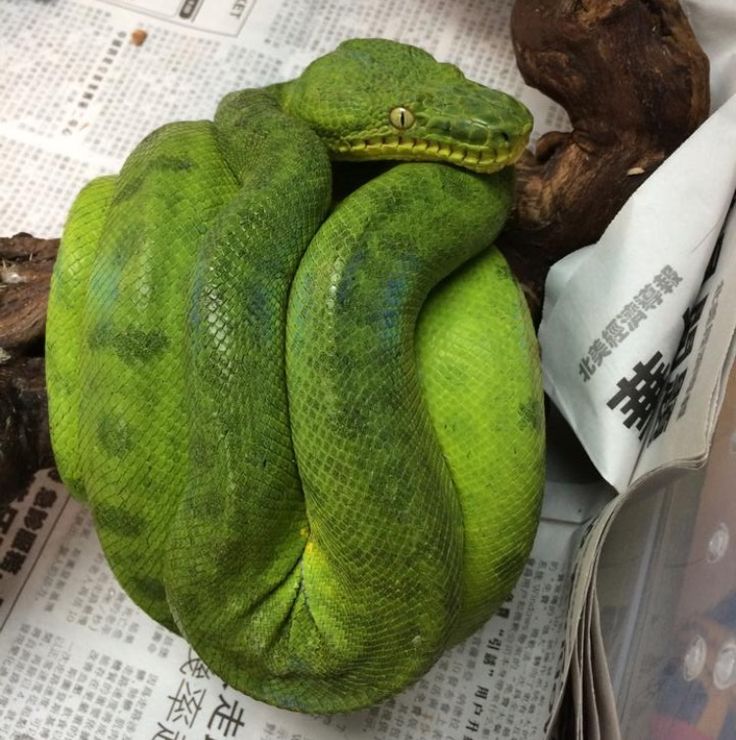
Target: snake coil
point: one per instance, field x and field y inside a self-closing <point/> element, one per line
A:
<point x="311" y="436"/>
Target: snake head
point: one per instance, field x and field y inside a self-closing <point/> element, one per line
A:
<point x="380" y="99"/>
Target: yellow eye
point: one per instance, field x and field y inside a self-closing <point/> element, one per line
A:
<point x="401" y="117"/>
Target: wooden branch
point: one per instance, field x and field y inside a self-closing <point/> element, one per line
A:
<point x="25" y="445"/>
<point x="634" y="82"/>
<point x="25" y="271"/>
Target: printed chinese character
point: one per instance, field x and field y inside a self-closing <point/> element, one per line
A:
<point x="690" y="320"/>
<point x="597" y="351"/>
<point x="666" y="279"/>
<point x="23" y="540"/>
<point x="614" y="334"/>
<point x="164" y="733"/>
<point x="649" y="297"/>
<point x="664" y="412"/>
<point x="34" y="519"/>
<point x="639" y="393"/>
<point x="194" y="666"/>
<point x="44" y="498"/>
<point x="12" y="561"/>
<point x="586" y="369"/>
<point x="631" y="315"/>
<point x="185" y="704"/>
<point x="229" y="718"/>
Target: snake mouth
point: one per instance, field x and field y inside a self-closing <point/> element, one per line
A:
<point x="481" y="159"/>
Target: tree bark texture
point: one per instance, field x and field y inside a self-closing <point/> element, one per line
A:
<point x="634" y="82"/>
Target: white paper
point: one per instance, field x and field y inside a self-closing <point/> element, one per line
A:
<point x="612" y="317"/>
<point x="77" y="655"/>
<point x="714" y="25"/>
<point x="79" y="95"/>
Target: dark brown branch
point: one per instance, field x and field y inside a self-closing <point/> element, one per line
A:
<point x="634" y="82"/>
<point x="25" y="271"/>
<point x="25" y="447"/>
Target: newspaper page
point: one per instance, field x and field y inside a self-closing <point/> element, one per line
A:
<point x="79" y="94"/>
<point x="87" y="80"/>
<point x="651" y="357"/>
<point x="635" y="299"/>
<point x="79" y="660"/>
<point x="682" y="423"/>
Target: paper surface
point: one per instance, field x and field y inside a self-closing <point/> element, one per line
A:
<point x="79" y="660"/>
<point x="78" y="656"/>
<point x="626" y="297"/>
<point x="626" y="377"/>
<point x="81" y="95"/>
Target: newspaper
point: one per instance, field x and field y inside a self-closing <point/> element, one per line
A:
<point x="642" y="377"/>
<point x="78" y="656"/>
<point x="87" y="79"/>
<point x="653" y="308"/>
<point x="706" y="351"/>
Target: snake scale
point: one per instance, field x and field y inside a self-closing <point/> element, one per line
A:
<point x="310" y="433"/>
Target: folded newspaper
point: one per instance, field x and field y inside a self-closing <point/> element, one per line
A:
<point x="638" y="375"/>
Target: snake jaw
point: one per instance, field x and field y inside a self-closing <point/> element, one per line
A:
<point x="481" y="159"/>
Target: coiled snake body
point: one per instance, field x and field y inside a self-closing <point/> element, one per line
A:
<point x="306" y="448"/>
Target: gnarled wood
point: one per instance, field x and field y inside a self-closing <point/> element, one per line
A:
<point x="634" y="81"/>
<point x="25" y="271"/>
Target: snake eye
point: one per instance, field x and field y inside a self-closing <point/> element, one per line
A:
<point x="401" y="117"/>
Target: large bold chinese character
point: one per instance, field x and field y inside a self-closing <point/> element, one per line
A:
<point x="669" y="398"/>
<point x="690" y="320"/>
<point x="639" y="393"/>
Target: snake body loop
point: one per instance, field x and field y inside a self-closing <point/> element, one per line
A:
<point x="311" y="435"/>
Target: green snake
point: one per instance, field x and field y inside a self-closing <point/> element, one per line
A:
<point x="310" y="431"/>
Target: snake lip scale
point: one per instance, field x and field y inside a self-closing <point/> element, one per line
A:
<point x="310" y="428"/>
<point x="484" y="160"/>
